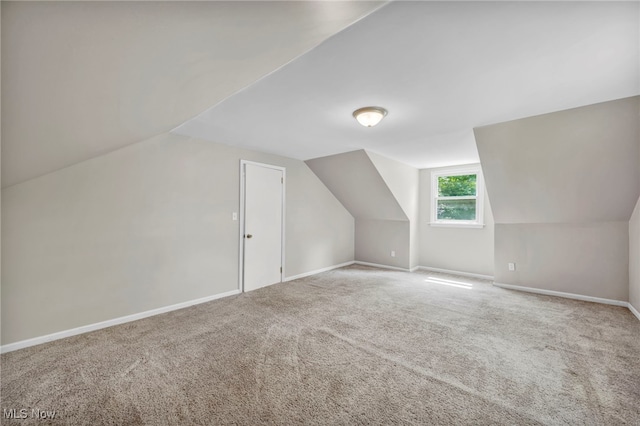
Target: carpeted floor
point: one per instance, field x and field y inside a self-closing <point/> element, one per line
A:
<point x="355" y="345"/>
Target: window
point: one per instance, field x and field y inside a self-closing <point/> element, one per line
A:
<point x="457" y="195"/>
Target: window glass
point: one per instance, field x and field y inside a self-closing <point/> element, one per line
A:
<point x="456" y="186"/>
<point x="457" y="209"/>
<point x="457" y="197"/>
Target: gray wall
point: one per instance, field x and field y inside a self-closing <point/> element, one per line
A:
<point x="634" y="258"/>
<point x="457" y="249"/>
<point x="573" y="166"/>
<point x="375" y="239"/>
<point x="590" y="259"/>
<point x="403" y="181"/>
<point x="634" y="252"/>
<point x="562" y="188"/>
<point x="381" y="194"/>
<point x="356" y="182"/>
<point x="0" y="178"/>
<point x="146" y="226"/>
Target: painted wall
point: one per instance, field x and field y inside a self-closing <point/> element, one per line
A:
<point x="562" y="188"/>
<point x="403" y="182"/>
<point x="356" y="182"/>
<point x="457" y="249"/>
<point x="634" y="258"/>
<point x="0" y="172"/>
<point x="590" y="259"/>
<point x="382" y="197"/>
<point x="634" y="250"/>
<point x="375" y="239"/>
<point x="401" y="179"/>
<point x="573" y="166"/>
<point x="146" y="226"/>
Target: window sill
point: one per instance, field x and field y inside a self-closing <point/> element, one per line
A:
<point x="456" y="225"/>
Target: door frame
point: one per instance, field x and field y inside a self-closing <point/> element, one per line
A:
<point x="243" y="164"/>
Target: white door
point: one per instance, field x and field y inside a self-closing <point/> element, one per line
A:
<point x="263" y="219"/>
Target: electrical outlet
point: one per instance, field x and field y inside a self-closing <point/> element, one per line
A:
<point x="234" y="216"/>
<point x="393" y="253"/>
<point x="512" y="266"/>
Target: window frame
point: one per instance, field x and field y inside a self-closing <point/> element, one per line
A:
<point x="479" y="197"/>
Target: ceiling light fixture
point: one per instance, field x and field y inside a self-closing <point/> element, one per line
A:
<point x="369" y="116"/>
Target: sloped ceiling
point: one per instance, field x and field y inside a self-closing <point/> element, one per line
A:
<point x="573" y="166"/>
<point x="441" y="69"/>
<point x="83" y="78"/>
<point x="402" y="181"/>
<point x="355" y="181"/>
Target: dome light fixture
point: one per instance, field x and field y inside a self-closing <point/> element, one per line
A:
<point x="369" y="116"/>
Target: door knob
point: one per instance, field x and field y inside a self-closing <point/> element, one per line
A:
<point x="249" y="236"/>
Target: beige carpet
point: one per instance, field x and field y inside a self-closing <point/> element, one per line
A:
<point x="351" y="346"/>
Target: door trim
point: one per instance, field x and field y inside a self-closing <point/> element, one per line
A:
<point x="243" y="163"/>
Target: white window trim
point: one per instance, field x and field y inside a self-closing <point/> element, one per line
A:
<point x="456" y="171"/>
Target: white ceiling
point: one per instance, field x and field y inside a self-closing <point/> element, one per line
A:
<point x="83" y="78"/>
<point x="441" y="69"/>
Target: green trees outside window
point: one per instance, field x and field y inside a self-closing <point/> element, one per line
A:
<point x="457" y="197"/>
<point x="456" y="186"/>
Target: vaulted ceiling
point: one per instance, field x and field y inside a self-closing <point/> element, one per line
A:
<point x="83" y="78"/>
<point x="80" y="79"/>
<point x="441" y="69"/>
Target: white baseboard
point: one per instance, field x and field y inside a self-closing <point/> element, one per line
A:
<point x="449" y="271"/>
<point x="634" y="311"/>
<point x="104" y="324"/>
<point x="317" y="271"/>
<point x="563" y="294"/>
<point x="378" y="265"/>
